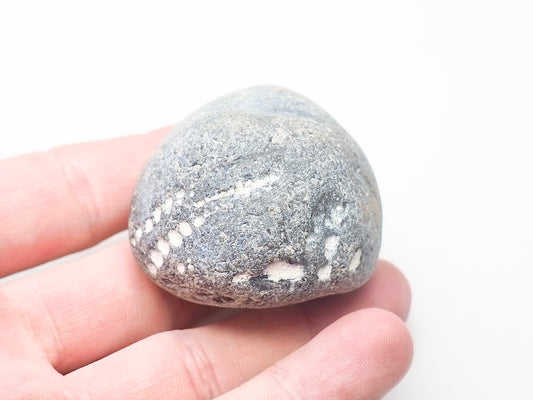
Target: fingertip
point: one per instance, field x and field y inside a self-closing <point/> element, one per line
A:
<point x="382" y="348"/>
<point x="361" y="355"/>
<point x="393" y="347"/>
<point x="396" y="284"/>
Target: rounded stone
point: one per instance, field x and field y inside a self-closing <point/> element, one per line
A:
<point x="258" y="199"/>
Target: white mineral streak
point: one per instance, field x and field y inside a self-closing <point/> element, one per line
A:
<point x="244" y="189"/>
<point x="324" y="272"/>
<point x="330" y="247"/>
<point x="241" y="278"/>
<point x="199" y="204"/>
<point x="138" y="233"/>
<point x="180" y="267"/>
<point x="282" y="270"/>
<point x="356" y="260"/>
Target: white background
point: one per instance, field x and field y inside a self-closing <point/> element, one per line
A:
<point x="439" y="94"/>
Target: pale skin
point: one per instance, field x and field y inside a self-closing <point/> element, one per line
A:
<point x="97" y="328"/>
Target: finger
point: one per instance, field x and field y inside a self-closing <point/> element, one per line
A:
<point x="77" y="313"/>
<point x="388" y="288"/>
<point x="107" y="297"/>
<point x="61" y="201"/>
<point x="207" y="361"/>
<point x="361" y="356"/>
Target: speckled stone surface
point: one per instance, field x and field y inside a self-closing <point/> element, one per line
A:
<point x="258" y="199"/>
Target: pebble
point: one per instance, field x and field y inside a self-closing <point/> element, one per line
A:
<point x="258" y="199"/>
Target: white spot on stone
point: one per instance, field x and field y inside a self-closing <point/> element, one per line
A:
<point x="199" y="204"/>
<point x="241" y="278"/>
<point x="180" y="194"/>
<point x="279" y="136"/>
<point x="163" y="247"/>
<point x="157" y="215"/>
<point x="157" y="258"/>
<point x="175" y="238"/>
<point x="148" y="226"/>
<point x="138" y="233"/>
<point x="179" y="202"/>
<point x="198" y="221"/>
<point x="282" y="270"/>
<point x="330" y="247"/>
<point x="189" y="260"/>
<point x="185" y="229"/>
<point x="191" y="194"/>
<point x="152" y="270"/>
<point x="190" y="268"/>
<point x="338" y="214"/>
<point x="167" y="206"/>
<point x="336" y="217"/>
<point x="133" y="242"/>
<point x="324" y="272"/>
<point x="356" y="260"/>
<point x="180" y="267"/>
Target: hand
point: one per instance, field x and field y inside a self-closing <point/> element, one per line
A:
<point x="97" y="328"/>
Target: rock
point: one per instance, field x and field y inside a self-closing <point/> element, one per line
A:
<point x="258" y="199"/>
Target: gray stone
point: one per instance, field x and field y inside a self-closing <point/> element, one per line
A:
<point x="258" y="199"/>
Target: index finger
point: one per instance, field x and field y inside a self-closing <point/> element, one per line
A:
<point x="64" y="200"/>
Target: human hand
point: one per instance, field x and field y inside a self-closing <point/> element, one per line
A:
<point x="98" y="328"/>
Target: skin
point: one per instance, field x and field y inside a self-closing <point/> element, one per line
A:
<point x="97" y="328"/>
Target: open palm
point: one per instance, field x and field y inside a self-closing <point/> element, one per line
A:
<point x="97" y="328"/>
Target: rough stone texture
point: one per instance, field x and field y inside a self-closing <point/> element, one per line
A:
<point x="258" y="199"/>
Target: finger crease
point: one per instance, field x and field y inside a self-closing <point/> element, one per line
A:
<point x="199" y="369"/>
<point x="81" y="190"/>
<point x="310" y="325"/>
<point x="55" y="348"/>
<point x="279" y="376"/>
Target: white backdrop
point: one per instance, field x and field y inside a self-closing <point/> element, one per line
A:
<point x="439" y="94"/>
